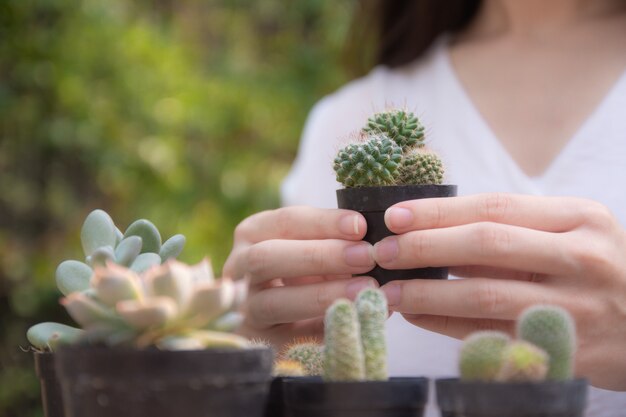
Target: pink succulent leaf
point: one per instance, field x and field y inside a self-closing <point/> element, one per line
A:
<point x="151" y="313"/>
<point x="115" y="283"/>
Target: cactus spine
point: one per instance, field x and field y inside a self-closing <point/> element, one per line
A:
<point x="552" y="329"/>
<point x="401" y="126"/>
<point x="307" y="353"/>
<point x="371" y="306"/>
<point x="523" y="361"/>
<point x="419" y="167"/>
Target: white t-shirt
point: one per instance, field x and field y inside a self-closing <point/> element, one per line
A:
<point x="592" y="165"/>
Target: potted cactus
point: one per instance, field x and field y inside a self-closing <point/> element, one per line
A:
<point x="528" y="377"/>
<point x="139" y="248"/>
<point x="354" y="380"/>
<point x="389" y="163"/>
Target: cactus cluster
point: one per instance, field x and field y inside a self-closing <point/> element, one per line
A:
<point x="139" y="248"/>
<point x="390" y="151"/>
<point x="544" y="349"/>
<point x="354" y="346"/>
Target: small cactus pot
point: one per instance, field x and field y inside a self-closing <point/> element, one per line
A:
<point x="99" y="382"/>
<point x="372" y="202"/>
<point x="457" y="398"/>
<point x="51" y="396"/>
<point x="314" y="397"/>
<point x="275" y="405"/>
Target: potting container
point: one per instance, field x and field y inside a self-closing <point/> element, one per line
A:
<point x="113" y="382"/>
<point x="458" y="398"/>
<point x="314" y="397"/>
<point x="372" y="202"/>
<point x="51" y="396"/>
<point x="275" y="404"/>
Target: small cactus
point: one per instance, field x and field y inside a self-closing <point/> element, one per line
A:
<point x="308" y="353"/>
<point x="369" y="163"/>
<point x="371" y="306"/>
<point x="401" y="126"/>
<point x="523" y="361"/>
<point x="419" y="167"/>
<point x="343" y="350"/>
<point x="285" y="367"/>
<point x="552" y="329"/>
<point x="482" y="355"/>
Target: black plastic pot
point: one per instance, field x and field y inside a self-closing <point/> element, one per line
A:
<point x="372" y="202"/>
<point x="275" y="405"/>
<point x="51" y="397"/>
<point x="512" y="399"/>
<point x="103" y="382"/>
<point x="313" y="397"/>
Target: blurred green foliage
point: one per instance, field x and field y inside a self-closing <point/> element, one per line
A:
<point x="184" y="113"/>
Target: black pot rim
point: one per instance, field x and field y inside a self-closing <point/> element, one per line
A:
<point x="382" y="197"/>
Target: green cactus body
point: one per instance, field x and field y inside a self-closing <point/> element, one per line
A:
<point x="552" y="329"/>
<point x="371" y="163"/>
<point x="343" y="351"/>
<point x="371" y="306"/>
<point x="420" y="167"/>
<point x="482" y="355"/>
<point x="309" y="354"/>
<point x="523" y="361"/>
<point x="401" y="126"/>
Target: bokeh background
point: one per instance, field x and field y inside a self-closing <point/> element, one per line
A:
<point x="187" y="113"/>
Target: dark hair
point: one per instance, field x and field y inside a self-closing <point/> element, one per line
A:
<point x="401" y="30"/>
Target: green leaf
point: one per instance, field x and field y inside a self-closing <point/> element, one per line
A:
<point x="148" y="233"/>
<point x="98" y="230"/>
<point x="73" y="276"/>
<point x="145" y="261"/>
<point x="47" y="336"/>
<point x="127" y="250"/>
<point x="101" y="255"/>
<point x="172" y="247"/>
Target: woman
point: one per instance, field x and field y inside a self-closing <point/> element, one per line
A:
<point x="523" y="97"/>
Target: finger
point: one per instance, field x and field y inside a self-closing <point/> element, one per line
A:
<point x="468" y="298"/>
<point x="485" y="244"/>
<point x="295" y="258"/>
<point x="302" y="222"/>
<point x="477" y="271"/>
<point x="290" y="304"/>
<point x="458" y="327"/>
<point x="284" y="334"/>
<point x="550" y="214"/>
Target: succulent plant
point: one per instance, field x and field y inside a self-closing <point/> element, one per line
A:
<point x="343" y="350"/>
<point x="308" y="353"/>
<point x="389" y="152"/>
<point x="482" y="355"/>
<point x="172" y="306"/>
<point x="402" y="126"/>
<point x="285" y="367"/>
<point x="371" y="162"/>
<point x="355" y="347"/>
<point x="523" y="361"/>
<point x="371" y="307"/>
<point x="552" y="329"/>
<point x="139" y="248"/>
<point x="420" y="167"/>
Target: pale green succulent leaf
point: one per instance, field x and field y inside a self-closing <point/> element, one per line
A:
<point x="148" y="233"/>
<point x="49" y="335"/>
<point x="227" y="322"/>
<point x="98" y="230"/>
<point x="128" y="250"/>
<point x="149" y="313"/>
<point x="145" y="261"/>
<point x="172" y="247"/>
<point x="73" y="276"/>
<point x="119" y="236"/>
<point x="87" y="311"/>
<point x="102" y="255"/>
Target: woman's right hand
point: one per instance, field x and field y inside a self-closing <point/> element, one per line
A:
<point x="299" y="260"/>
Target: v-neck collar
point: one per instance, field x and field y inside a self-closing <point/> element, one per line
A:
<point x="487" y="135"/>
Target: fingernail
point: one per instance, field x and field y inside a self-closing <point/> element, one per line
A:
<point x="350" y="224"/>
<point x="357" y="285"/>
<point x="398" y="217"/>
<point x="392" y="291"/>
<point x="386" y="250"/>
<point x="359" y="255"/>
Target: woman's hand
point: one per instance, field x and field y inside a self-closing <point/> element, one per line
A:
<point x="518" y="251"/>
<point x="298" y="260"/>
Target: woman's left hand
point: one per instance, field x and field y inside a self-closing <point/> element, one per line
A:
<point x="518" y="250"/>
